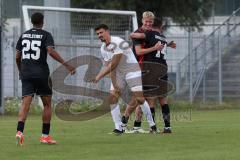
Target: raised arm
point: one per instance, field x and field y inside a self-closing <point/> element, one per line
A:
<point x="142" y="51"/>
<point x="137" y="35"/>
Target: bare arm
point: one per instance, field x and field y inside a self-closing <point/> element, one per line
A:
<point x="137" y="36"/>
<point x="172" y="44"/>
<point x="18" y="60"/>
<point x="109" y="68"/>
<point x="55" y="55"/>
<point x="112" y="75"/>
<point x="142" y="51"/>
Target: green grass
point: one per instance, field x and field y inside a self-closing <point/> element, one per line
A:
<point x="210" y="135"/>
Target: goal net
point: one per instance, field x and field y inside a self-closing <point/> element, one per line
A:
<point x="75" y="39"/>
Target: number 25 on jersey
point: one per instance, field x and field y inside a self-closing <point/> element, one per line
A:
<point x="33" y="46"/>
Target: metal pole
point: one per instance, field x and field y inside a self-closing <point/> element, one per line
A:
<point x="228" y="32"/>
<point x="1" y="26"/>
<point x="15" y="76"/>
<point x="126" y="36"/>
<point x="178" y="75"/>
<point x="213" y="16"/>
<point x="219" y="68"/>
<point x="234" y="23"/>
<point x="204" y="65"/>
<point x="91" y="40"/>
<point x="21" y="15"/>
<point x="204" y="87"/>
<point x="190" y="66"/>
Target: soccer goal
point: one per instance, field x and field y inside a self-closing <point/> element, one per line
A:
<point x="74" y="35"/>
<point x="79" y="21"/>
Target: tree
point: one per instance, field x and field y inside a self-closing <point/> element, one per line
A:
<point x="187" y="13"/>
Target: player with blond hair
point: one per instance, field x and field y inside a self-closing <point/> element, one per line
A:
<point x="151" y="39"/>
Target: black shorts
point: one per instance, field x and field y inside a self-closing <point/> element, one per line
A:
<point x="42" y="87"/>
<point x="155" y="79"/>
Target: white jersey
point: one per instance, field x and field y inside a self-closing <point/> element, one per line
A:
<point x="128" y="62"/>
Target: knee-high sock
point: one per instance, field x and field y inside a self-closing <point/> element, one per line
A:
<point x="147" y="112"/>
<point x="166" y="115"/>
<point x="116" y="116"/>
<point x="153" y="113"/>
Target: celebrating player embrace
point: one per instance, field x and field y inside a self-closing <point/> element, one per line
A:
<point x="125" y="72"/>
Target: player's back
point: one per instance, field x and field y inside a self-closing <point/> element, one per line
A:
<point x="33" y="46"/>
<point x="151" y="38"/>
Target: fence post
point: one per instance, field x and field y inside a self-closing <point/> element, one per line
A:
<point x="219" y="67"/>
<point x="126" y="36"/>
<point x="190" y="66"/>
<point x="15" y="75"/>
<point x="91" y="40"/>
<point x="178" y="78"/>
<point x="1" y="66"/>
<point x="234" y="23"/>
<point x="205" y="68"/>
<point x="1" y="93"/>
<point x="228" y="32"/>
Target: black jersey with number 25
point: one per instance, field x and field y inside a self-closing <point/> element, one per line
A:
<point x="32" y="45"/>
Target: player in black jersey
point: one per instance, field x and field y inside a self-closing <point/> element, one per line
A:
<point x="32" y="49"/>
<point x="140" y="50"/>
<point x="152" y="38"/>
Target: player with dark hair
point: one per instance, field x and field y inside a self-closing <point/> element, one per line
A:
<point x="151" y="39"/>
<point x="32" y="49"/>
<point x="125" y="73"/>
<point x="139" y="49"/>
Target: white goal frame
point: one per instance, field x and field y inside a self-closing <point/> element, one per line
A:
<point x="26" y="17"/>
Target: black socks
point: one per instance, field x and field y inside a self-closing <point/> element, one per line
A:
<point x="45" y="128"/>
<point x="125" y="119"/>
<point x="166" y="115"/>
<point x="153" y="113"/>
<point x="20" y="126"/>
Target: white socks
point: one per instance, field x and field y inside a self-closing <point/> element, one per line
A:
<point x="116" y="116"/>
<point x="147" y="112"/>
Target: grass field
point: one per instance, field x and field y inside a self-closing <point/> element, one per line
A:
<point x="210" y="135"/>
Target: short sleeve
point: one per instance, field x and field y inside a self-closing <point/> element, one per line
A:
<point x="137" y="42"/>
<point x="49" y="41"/>
<point x="19" y="44"/>
<point x="148" y="36"/>
<point x="114" y="47"/>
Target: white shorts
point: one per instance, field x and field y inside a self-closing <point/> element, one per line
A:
<point x="133" y="80"/>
